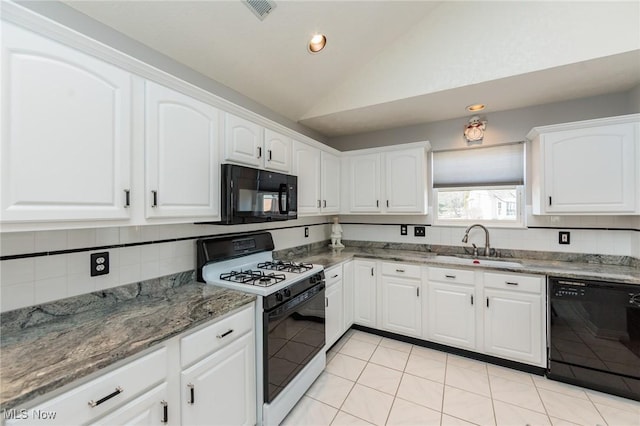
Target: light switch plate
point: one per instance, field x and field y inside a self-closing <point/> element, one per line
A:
<point x="403" y="229"/>
<point x="564" y="237"/>
<point x="419" y="231"/>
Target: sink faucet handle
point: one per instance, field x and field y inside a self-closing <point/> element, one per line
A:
<point x="475" y="250"/>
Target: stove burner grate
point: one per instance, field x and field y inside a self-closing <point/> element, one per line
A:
<point x="286" y="266"/>
<point x="251" y="277"/>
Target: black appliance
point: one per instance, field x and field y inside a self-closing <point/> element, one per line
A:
<point x="594" y="335"/>
<point x="250" y="195"/>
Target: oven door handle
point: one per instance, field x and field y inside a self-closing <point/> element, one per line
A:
<point x="283" y="311"/>
<point x="282" y="190"/>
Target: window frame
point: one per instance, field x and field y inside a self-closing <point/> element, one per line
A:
<point x="519" y="223"/>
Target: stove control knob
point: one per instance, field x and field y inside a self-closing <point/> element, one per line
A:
<point x="279" y="297"/>
<point x="287" y="292"/>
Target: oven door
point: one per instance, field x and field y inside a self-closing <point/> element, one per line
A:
<point x="293" y="334"/>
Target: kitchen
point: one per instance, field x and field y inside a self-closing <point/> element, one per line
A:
<point x="140" y="208"/>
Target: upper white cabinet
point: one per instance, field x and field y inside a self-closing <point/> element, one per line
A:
<point x="393" y="182"/>
<point x="66" y="132"/>
<point x="249" y="143"/>
<point x="318" y="175"/>
<point x="181" y="134"/>
<point x="588" y="167"/>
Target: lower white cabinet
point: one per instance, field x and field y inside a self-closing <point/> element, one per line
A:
<point x="348" y="282"/>
<point x="151" y="408"/>
<point x="334" y="313"/>
<point x="365" y="300"/>
<point x="452" y="314"/>
<point x="513" y="317"/>
<point x="220" y="389"/>
<point x="401" y="299"/>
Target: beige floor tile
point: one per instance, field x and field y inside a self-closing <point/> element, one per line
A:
<point x="542" y="382"/>
<point x="368" y="404"/>
<point x="421" y="391"/>
<point x="426" y="368"/>
<point x="330" y="354"/>
<point x="475" y="381"/>
<point x="410" y="414"/>
<point x="346" y="419"/>
<point x="396" y="344"/>
<point x="340" y="343"/>
<point x="429" y="353"/>
<point x="516" y="393"/>
<point x="330" y="389"/>
<point x="358" y="349"/>
<point x="345" y="366"/>
<point x="614" y="401"/>
<point x="509" y="415"/>
<point x="576" y="410"/>
<point x="468" y="406"/>
<point x="390" y="358"/>
<point x="468" y="363"/>
<point x="380" y="378"/>
<point x="454" y="421"/>
<point x="309" y="412"/>
<point x="509" y="374"/>
<point x="617" y="417"/>
<point x="366" y="337"/>
<point x="561" y="422"/>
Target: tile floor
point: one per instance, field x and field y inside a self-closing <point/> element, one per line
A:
<point x="375" y="380"/>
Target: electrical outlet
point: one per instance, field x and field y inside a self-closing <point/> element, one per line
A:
<point x="419" y="231"/>
<point x="403" y="229"/>
<point x="306" y="232"/>
<point x="564" y="237"/>
<point x="99" y="263"/>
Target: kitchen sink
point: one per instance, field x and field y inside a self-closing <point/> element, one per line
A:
<point x="477" y="262"/>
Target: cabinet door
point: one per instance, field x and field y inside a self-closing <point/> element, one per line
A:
<point x="181" y="135"/>
<point x="66" y="136"/>
<point x="592" y="170"/>
<point x="221" y="389"/>
<point x="452" y="314"/>
<point x="152" y="408"/>
<point x="243" y="141"/>
<point x="348" y="280"/>
<point x="364" y="306"/>
<point x="333" y="314"/>
<point x="405" y="176"/>
<point x="513" y="325"/>
<point x="330" y="183"/>
<point x="306" y="166"/>
<point x="401" y="306"/>
<point x="364" y="176"/>
<point x="277" y="151"/>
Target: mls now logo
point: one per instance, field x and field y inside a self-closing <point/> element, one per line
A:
<point x="22" y="414"/>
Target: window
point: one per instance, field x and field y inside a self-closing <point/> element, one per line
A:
<point x="479" y="185"/>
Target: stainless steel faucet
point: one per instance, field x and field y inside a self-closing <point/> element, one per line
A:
<point x="465" y="239"/>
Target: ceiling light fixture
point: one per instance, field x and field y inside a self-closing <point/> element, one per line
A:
<point x="475" y="107"/>
<point x="317" y="43"/>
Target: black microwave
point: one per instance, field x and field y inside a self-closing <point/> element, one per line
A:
<point x="250" y="195"/>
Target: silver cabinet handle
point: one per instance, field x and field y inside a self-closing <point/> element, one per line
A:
<point x="127" y="198"/>
<point x="418" y="291"/>
<point x="510" y="283"/>
<point x="371" y="271"/>
<point x="319" y="204"/>
<point x="472" y="299"/>
<point x="450" y="276"/>
<point x="335" y="276"/>
<point x="225" y="334"/>
<point x="192" y="394"/>
<point x="165" y="412"/>
<point x="324" y="203"/>
<point x="259" y="152"/>
<point x="399" y="270"/>
<point x="270" y="156"/>
<point x="117" y="392"/>
<point x="154" y="196"/>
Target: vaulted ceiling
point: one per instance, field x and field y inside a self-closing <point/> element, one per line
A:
<point x="392" y="63"/>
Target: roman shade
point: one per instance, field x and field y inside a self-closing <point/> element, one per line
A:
<point x="486" y="166"/>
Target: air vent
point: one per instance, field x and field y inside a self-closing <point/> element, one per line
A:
<point x="260" y="8"/>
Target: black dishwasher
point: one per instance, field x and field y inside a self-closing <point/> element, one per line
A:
<point x="594" y="335"/>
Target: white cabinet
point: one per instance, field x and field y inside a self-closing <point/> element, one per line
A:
<point x="514" y="317"/>
<point x="249" y="143"/>
<point x="220" y="389"/>
<point x="393" y="182"/>
<point x="150" y="408"/>
<point x="400" y="296"/>
<point x="334" y="309"/>
<point x="66" y="119"/>
<point x="589" y="167"/>
<point x="181" y="135"/>
<point x="452" y="307"/>
<point x="319" y="181"/>
<point x="364" y="303"/>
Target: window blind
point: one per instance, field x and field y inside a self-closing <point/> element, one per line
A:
<point x="485" y="166"/>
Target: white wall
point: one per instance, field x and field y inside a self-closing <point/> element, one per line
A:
<point x="39" y="279"/>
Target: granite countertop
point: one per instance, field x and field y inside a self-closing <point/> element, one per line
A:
<point x="47" y="346"/>
<point x="565" y="269"/>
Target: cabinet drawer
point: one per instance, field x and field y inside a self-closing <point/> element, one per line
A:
<point x="203" y="342"/>
<point x="333" y="275"/>
<point x="528" y="283"/>
<point x="105" y="393"/>
<point x="401" y="270"/>
<point x="446" y="275"/>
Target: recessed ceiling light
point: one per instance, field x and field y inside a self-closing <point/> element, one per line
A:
<point x="317" y="43"/>
<point x="475" y="107"/>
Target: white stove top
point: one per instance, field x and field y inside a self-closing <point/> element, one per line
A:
<point x="212" y="272"/>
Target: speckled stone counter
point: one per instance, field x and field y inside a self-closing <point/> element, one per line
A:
<point x="580" y="267"/>
<point x="47" y="346"/>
